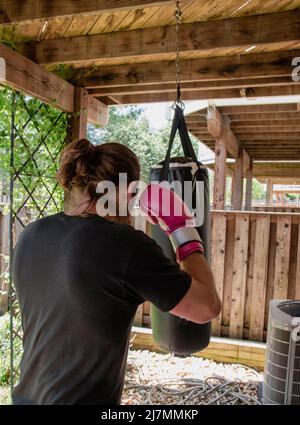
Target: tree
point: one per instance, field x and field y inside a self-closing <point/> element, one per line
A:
<point x="129" y="127"/>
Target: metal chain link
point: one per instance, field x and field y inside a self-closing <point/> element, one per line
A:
<point x="179" y="18"/>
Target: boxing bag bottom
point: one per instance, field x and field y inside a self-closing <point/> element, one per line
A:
<point x="172" y="333"/>
<point x="176" y="335"/>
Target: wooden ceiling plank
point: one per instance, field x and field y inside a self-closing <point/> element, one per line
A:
<point x="212" y="95"/>
<point x="262" y="116"/>
<point x="271" y="124"/>
<point x="209" y="69"/>
<point x="241" y="32"/>
<point x="193" y="86"/>
<point x="270" y="108"/>
<point x="28" y="10"/>
<point x="266" y="136"/>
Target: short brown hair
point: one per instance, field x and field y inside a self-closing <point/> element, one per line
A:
<point x="84" y="165"/>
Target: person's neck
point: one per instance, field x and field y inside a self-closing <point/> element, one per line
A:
<point x="81" y="204"/>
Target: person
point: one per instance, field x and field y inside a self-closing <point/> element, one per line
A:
<point x="80" y="277"/>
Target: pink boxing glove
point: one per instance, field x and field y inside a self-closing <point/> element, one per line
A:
<point x="166" y="208"/>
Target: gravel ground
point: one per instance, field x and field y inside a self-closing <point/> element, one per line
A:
<point x="198" y="380"/>
<point x="153" y="378"/>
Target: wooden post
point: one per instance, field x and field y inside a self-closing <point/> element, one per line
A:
<point x="78" y="120"/>
<point x="248" y="173"/>
<point x="237" y="189"/>
<point x="249" y="181"/>
<point x="269" y="199"/>
<point x="220" y="174"/>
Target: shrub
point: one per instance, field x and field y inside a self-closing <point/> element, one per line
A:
<point x="5" y="370"/>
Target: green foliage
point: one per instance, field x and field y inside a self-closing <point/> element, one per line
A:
<point x="258" y="191"/>
<point x="129" y="127"/>
<point x="291" y="196"/>
<point x="5" y="348"/>
<point x="40" y="133"/>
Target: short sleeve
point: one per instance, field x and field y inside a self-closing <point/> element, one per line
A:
<point x="153" y="277"/>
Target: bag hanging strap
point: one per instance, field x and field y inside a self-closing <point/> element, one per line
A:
<point x="188" y="150"/>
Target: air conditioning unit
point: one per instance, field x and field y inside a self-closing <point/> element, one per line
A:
<point x="282" y="367"/>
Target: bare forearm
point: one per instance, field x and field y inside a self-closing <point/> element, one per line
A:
<point x="199" y="269"/>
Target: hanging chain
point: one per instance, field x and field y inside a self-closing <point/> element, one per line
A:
<point x="179" y="17"/>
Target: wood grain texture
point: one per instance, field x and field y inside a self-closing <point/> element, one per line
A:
<point x="28" y="10"/>
<point x="22" y="74"/>
<point x="218" y="262"/>
<point x="283" y="241"/>
<point x="239" y="276"/>
<point x="260" y="269"/>
<point x="220" y="174"/>
<point x="200" y="36"/>
<point x="205" y="69"/>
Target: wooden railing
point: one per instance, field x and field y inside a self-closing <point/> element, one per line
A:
<point x="255" y="258"/>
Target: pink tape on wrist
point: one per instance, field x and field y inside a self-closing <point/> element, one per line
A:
<point x="188" y="249"/>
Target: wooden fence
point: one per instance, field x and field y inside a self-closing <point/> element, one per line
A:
<point x="277" y="208"/>
<point x="255" y="258"/>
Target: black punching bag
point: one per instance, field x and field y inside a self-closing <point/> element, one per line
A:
<point x="173" y="334"/>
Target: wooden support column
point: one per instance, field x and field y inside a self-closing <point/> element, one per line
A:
<point x="249" y="183"/>
<point x="220" y="174"/>
<point x="216" y="129"/>
<point x="78" y="120"/>
<point x="269" y="199"/>
<point x="237" y="187"/>
<point x="248" y="174"/>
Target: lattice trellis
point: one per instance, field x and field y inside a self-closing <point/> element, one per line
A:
<point x="38" y="133"/>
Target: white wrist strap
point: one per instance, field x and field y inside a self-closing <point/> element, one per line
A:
<point x="183" y="235"/>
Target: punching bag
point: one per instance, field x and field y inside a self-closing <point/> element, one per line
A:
<point x="172" y="333"/>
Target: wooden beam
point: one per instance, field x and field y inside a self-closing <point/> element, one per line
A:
<point x="249" y="109"/>
<point x="22" y="74"/>
<point x="264" y="116"/>
<point x="97" y="112"/>
<point x="276" y="64"/>
<point x="27" y="10"/>
<point x="232" y="144"/>
<point x="271" y="135"/>
<point x="214" y="121"/>
<point x="253" y="92"/>
<point x="192" y="86"/>
<point x="220" y="173"/>
<point x="266" y="129"/>
<point x="237" y="192"/>
<point x="271" y="124"/>
<point x="244" y="32"/>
